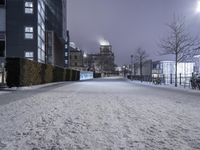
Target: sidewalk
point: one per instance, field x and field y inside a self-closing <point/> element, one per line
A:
<point x="166" y="86"/>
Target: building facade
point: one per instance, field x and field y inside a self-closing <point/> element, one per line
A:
<point x="102" y="62"/>
<point x="32" y="29"/>
<point x="76" y="59"/>
<point x="167" y="69"/>
<point x="146" y="68"/>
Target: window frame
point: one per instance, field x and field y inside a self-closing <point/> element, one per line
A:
<point x="28" y="32"/>
<point x="28" y="7"/>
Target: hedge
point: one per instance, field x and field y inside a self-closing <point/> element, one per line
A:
<point x="23" y="72"/>
<point x="97" y="75"/>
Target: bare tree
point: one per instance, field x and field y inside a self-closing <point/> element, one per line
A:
<point x="140" y="57"/>
<point x="179" y="43"/>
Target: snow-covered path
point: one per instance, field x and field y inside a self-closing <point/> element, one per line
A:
<point x="104" y="114"/>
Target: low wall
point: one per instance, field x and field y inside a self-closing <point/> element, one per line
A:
<point x="23" y="72"/>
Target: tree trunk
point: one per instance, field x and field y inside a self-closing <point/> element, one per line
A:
<point x="176" y="64"/>
<point x="141" y="70"/>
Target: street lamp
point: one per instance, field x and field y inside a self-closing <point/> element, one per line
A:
<point x="85" y="55"/>
<point x="198" y="6"/>
<point x="131" y="67"/>
<point x="85" y="60"/>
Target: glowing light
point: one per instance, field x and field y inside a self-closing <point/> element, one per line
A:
<point x="73" y="45"/>
<point x="84" y="55"/>
<point x="103" y="42"/>
<point x="198" y="7"/>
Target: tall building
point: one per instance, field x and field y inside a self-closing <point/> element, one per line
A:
<point x="32" y="29"/>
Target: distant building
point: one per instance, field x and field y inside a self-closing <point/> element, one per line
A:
<point x="102" y="62"/>
<point x="33" y="29"/>
<point x="76" y="59"/>
<point x="167" y="69"/>
<point x="146" y="68"/>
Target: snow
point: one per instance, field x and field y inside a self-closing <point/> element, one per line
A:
<point x="104" y="114"/>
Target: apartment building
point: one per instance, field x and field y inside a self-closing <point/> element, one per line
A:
<point x="33" y="29"/>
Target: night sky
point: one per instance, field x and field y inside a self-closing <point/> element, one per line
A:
<point x="127" y="24"/>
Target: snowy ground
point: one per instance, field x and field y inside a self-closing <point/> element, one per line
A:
<point x="104" y="114"/>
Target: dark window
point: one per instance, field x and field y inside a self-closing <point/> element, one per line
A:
<point x="75" y="63"/>
<point x="2" y="2"/>
<point x="2" y="48"/>
<point x="75" y="57"/>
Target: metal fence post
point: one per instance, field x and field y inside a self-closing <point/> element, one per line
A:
<point x="3" y="76"/>
<point x="164" y="79"/>
<point x="170" y="78"/>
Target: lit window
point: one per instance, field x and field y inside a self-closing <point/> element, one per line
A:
<point x="29" y="55"/>
<point x="29" y="4"/>
<point x="29" y="7"/>
<point x="29" y="10"/>
<point x="29" y="29"/>
<point x="28" y="35"/>
<point x="28" y="32"/>
<point x="66" y="54"/>
<point x="66" y="46"/>
<point x="66" y="62"/>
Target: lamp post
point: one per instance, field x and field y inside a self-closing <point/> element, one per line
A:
<point x="85" y="60"/>
<point x="131" y="67"/>
<point x="124" y="70"/>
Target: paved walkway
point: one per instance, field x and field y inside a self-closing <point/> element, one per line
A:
<point x="103" y="114"/>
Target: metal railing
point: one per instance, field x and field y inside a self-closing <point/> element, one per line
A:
<point x="183" y="80"/>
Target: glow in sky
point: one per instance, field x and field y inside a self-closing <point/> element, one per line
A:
<point x="103" y="42"/>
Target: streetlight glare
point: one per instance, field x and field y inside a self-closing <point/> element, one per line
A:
<point x="198" y="7"/>
<point x="84" y="55"/>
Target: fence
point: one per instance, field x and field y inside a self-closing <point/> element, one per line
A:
<point x="182" y="79"/>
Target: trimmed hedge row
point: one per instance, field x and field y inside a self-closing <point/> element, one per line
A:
<point x="23" y="72"/>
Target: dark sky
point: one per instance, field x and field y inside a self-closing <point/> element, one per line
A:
<point x="127" y="24"/>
